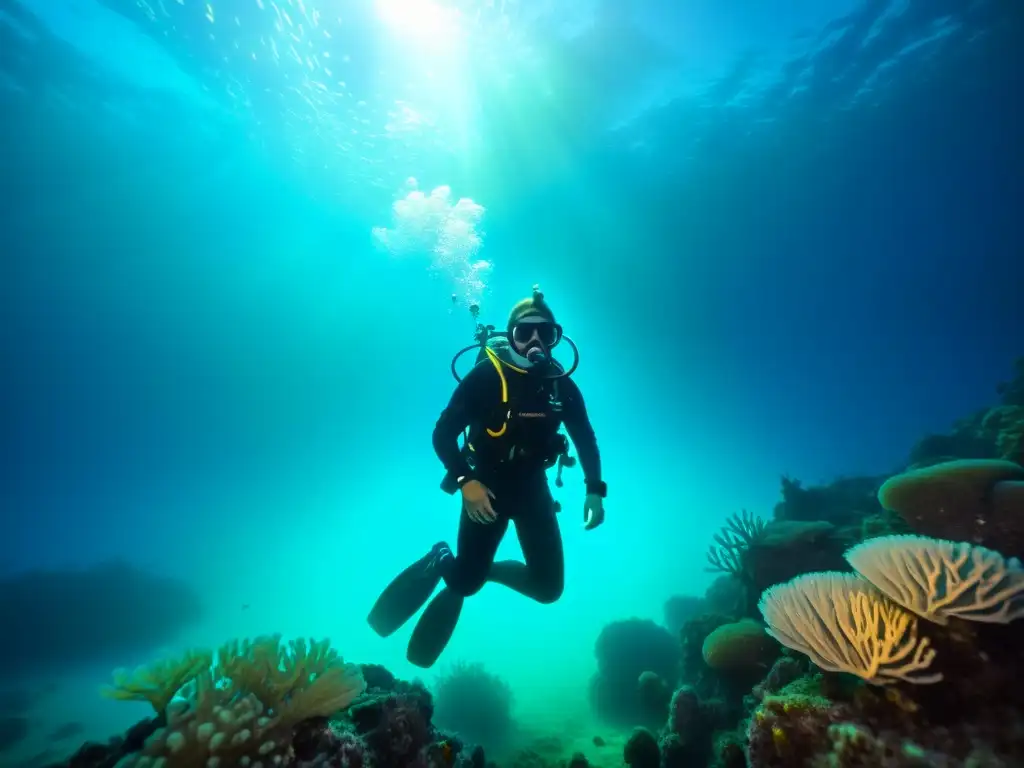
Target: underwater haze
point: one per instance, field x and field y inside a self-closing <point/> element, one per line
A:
<point x="241" y="241"/>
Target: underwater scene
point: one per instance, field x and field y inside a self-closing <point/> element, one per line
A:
<point x="512" y="384"/>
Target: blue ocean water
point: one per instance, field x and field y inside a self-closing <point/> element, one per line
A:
<point x="241" y="240"/>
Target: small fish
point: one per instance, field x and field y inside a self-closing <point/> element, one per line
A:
<point x="599" y="742"/>
<point x="245" y="606"/>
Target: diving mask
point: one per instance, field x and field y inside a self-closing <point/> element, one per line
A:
<point x="538" y="330"/>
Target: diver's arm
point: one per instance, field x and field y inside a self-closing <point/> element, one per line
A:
<point x="464" y="408"/>
<point x="577" y="424"/>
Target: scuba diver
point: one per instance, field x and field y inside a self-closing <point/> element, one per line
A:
<point x="509" y="409"/>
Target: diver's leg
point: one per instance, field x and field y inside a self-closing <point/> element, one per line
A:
<point x="477" y="545"/>
<point x="542" y="576"/>
<point x="464" y="576"/>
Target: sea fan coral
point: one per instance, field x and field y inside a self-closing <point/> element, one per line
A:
<point x="845" y="625"/>
<point x="937" y="579"/>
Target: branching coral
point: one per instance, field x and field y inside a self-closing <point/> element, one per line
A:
<point x="740" y="532"/>
<point x="159" y="681"/>
<point x="241" y="712"/>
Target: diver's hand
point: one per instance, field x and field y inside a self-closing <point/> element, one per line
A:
<point x="593" y="512"/>
<point x="476" y="500"/>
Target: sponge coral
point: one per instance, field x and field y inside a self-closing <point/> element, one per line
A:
<point x="981" y="501"/>
<point x="740" y="645"/>
<point x="242" y="711"/>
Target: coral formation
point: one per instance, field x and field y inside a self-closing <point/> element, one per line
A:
<point x="245" y="709"/>
<point x="695" y="670"/>
<point x="991" y="433"/>
<point x="980" y="501"/>
<point x="739" y="645"/>
<point x="679" y="609"/>
<point x="625" y="650"/>
<point x="475" y="704"/>
<point x="844" y="502"/>
<point x="642" y="750"/>
<point x="737" y="535"/>
<point x="309" y="710"/>
<point x="938" y="579"/>
<point x="755" y="554"/>
<point x="845" y="625"/>
<point x="726" y="595"/>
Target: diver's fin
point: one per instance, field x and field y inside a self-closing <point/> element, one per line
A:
<point x="434" y="629"/>
<point x="407" y="593"/>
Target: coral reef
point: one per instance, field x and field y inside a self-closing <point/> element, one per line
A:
<point x="625" y="650"/>
<point x="740" y="645"/>
<point x="642" y="750"/>
<point x="264" y="703"/>
<point x="475" y="704"/>
<point x="243" y="710"/>
<point x="990" y="433"/>
<point x="789" y="548"/>
<point x="755" y="554"/>
<point x="726" y="595"/>
<point x="686" y="737"/>
<point x="905" y="621"/>
<point x="976" y="500"/>
<point x="654" y="697"/>
<point x="695" y="670"/>
<point x="679" y="609"/>
<point x="802" y="727"/>
<point x="843" y="502"/>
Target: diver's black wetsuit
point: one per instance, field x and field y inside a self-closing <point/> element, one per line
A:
<point x="513" y="466"/>
<point x="510" y="446"/>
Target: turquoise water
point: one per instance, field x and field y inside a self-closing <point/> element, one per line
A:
<point x="241" y="242"/>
